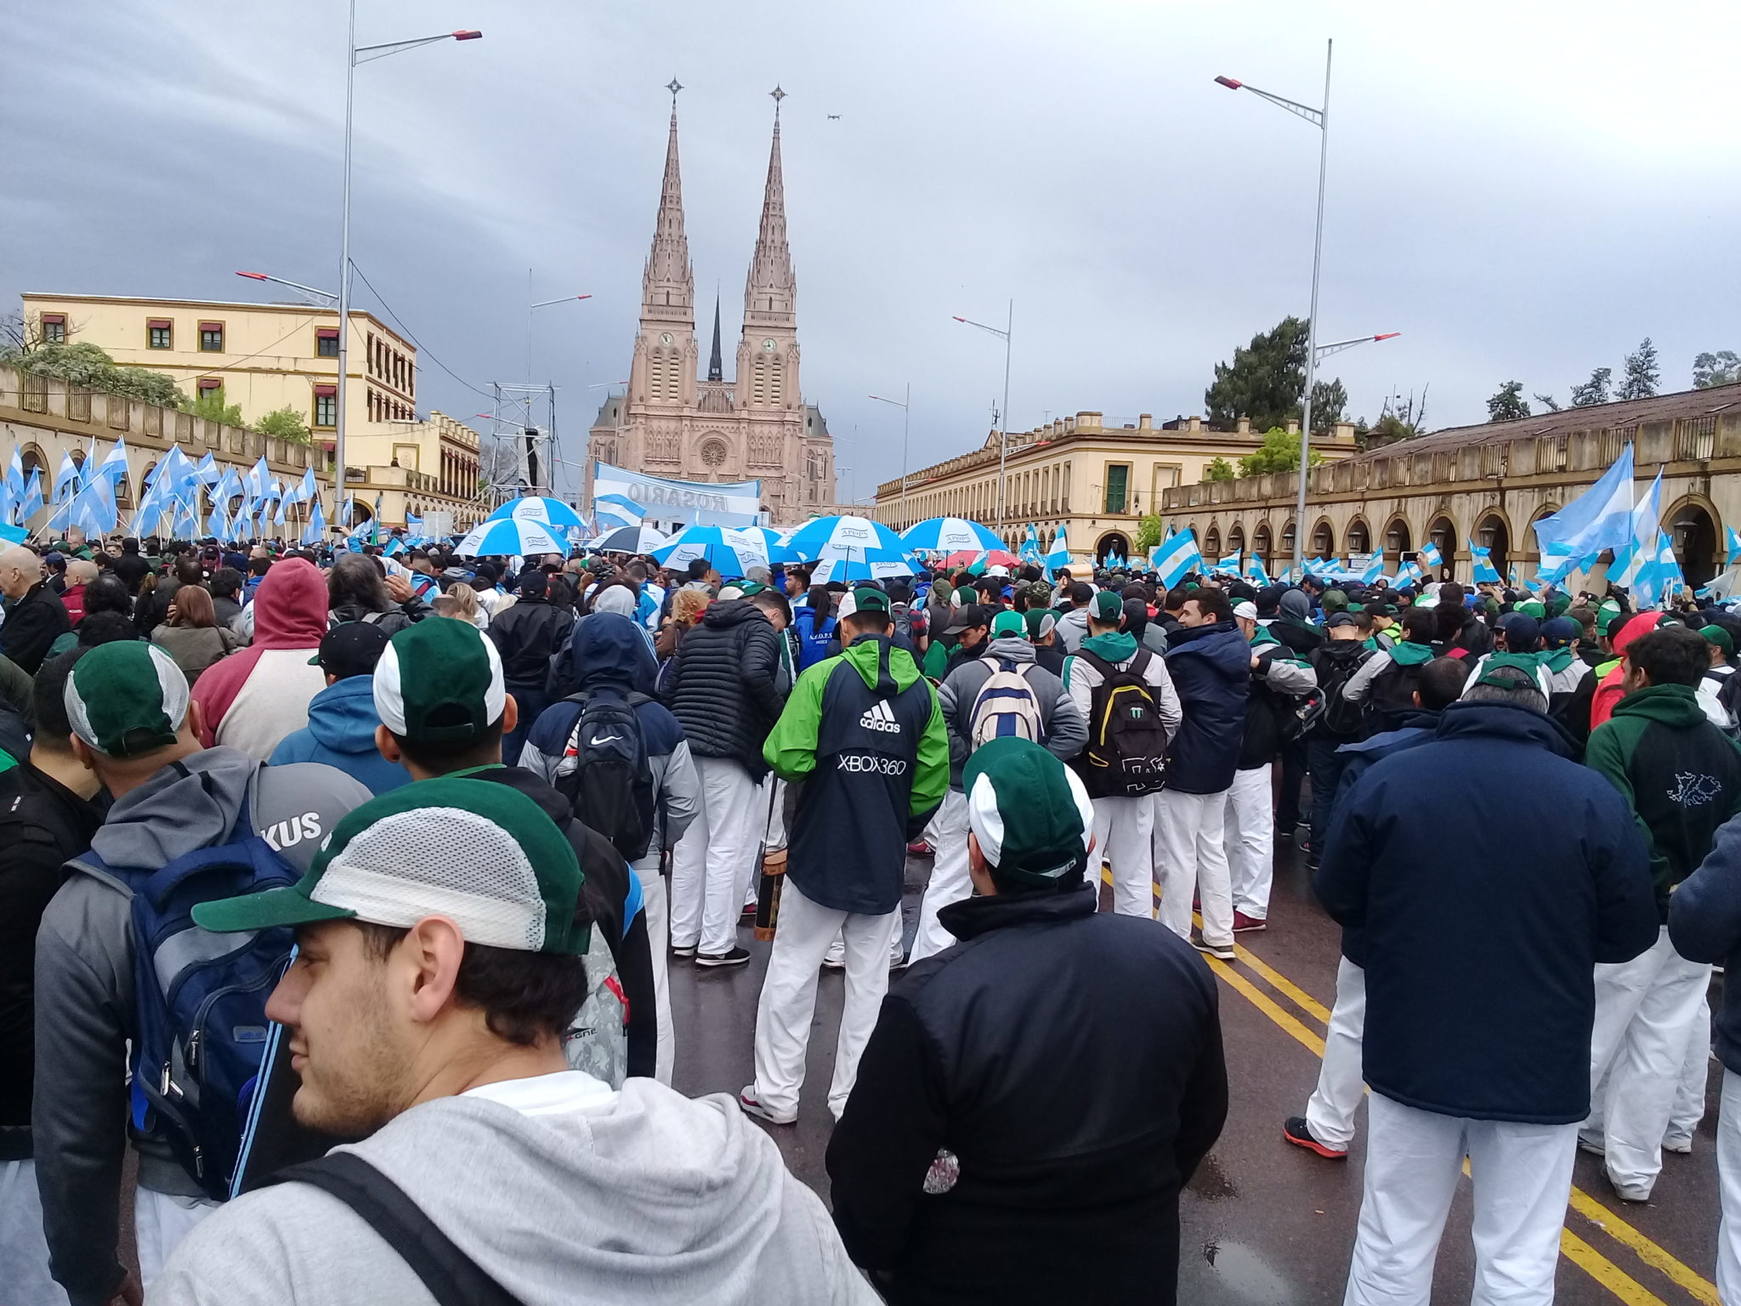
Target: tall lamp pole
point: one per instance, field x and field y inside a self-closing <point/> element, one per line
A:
<point x="354" y="55"/>
<point x="1319" y="118"/>
<point x="1003" y="436"/>
<point x="906" y="407"/>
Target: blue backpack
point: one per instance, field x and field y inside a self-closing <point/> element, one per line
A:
<point x="813" y="637"/>
<point x="199" y="1000"/>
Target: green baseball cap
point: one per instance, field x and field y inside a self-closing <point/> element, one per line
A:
<point x="1108" y="607"/>
<point x="1009" y="623"/>
<point x="1533" y="608"/>
<point x="1030" y="814"/>
<point x="868" y="598"/>
<point x="482" y="854"/>
<point x="1720" y="637"/>
<point x="1496" y="663"/>
<point x="126" y="698"/>
<point x="439" y="681"/>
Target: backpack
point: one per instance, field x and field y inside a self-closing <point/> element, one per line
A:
<point x="1126" y="754"/>
<point x="1331" y="714"/>
<point x="199" y="1000"/>
<point x="1729" y="694"/>
<point x="597" y="1039"/>
<point x="1005" y="706"/>
<point x="1393" y="693"/>
<point x="611" y="783"/>
<point x="813" y="638"/>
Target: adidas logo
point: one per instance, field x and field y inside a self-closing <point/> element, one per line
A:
<point x="881" y="717"/>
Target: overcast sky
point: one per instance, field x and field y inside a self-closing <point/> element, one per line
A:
<point x="1522" y="190"/>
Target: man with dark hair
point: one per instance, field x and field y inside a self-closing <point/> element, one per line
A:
<point x="1488" y="1062"/>
<point x="527" y="635"/>
<point x="342" y="720"/>
<point x="226" y="588"/>
<point x="130" y="567"/>
<point x="440" y="1036"/>
<point x="1073" y="625"/>
<point x="864" y="732"/>
<point x="967" y="1156"/>
<point x="1681" y="776"/>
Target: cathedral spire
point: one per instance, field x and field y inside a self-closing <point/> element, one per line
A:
<point x="668" y="282"/>
<point x="771" y="290"/>
<point x="716" y="364"/>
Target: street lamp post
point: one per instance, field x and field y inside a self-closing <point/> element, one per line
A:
<point x="1319" y="118"/>
<point x="1003" y="435"/>
<point x="354" y="55"/>
<point x="906" y="407"/>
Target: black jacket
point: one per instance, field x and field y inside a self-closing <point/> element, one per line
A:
<point x="1071" y="1063"/>
<point x="1297" y="635"/>
<point x="721" y="685"/>
<point x="391" y="620"/>
<point x="32" y="624"/>
<point x="1211" y="669"/>
<point x="42" y="824"/>
<point x="1482" y="937"/>
<point x="131" y="569"/>
<point x="526" y="635"/>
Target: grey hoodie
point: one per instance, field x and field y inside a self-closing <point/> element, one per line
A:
<point x="645" y="1197"/>
<point x="84" y="987"/>
<point x="1073" y="629"/>
<point x="1065" y="726"/>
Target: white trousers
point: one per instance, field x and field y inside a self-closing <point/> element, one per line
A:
<point x="1689" y="1107"/>
<point x="1251" y="834"/>
<point x="711" y="863"/>
<point x="1341" y="1082"/>
<point x="1729" y="1184"/>
<point x="1130" y="848"/>
<point x="949" y="882"/>
<point x="658" y="913"/>
<point x="23" y="1248"/>
<point x="1644" y="1008"/>
<point x="1414" y="1159"/>
<point x="788" y="1001"/>
<point x="160" y="1222"/>
<point x="1189" y="855"/>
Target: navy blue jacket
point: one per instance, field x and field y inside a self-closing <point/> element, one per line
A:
<point x="1704" y="924"/>
<point x="1211" y="669"/>
<point x="608" y="649"/>
<point x="1482" y="935"/>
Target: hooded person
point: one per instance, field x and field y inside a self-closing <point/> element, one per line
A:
<point x="527" y="635"/>
<point x="341" y="718"/>
<point x="609" y="656"/>
<point x="1293" y="627"/>
<point x="255" y="697"/>
<point x="1517" y="641"/>
<point x="1610" y="678"/>
<point x="1559" y="658"/>
<point x="439" y="1038"/>
<point x="133" y="725"/>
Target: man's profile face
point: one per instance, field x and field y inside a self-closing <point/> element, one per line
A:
<point x="345" y="1044"/>
<point x="973" y="636"/>
<point x="1192" y="614"/>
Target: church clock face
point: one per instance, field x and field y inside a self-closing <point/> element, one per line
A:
<point x="665" y="338"/>
<point x="768" y="345"/>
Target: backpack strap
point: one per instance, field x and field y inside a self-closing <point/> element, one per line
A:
<point x="452" y="1277"/>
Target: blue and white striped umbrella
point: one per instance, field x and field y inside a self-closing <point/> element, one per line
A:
<point x="951" y="535"/>
<point x="778" y="550"/>
<point x="851" y="548"/>
<point x="552" y="512"/>
<point x="511" y="537"/>
<point x="728" y="551"/>
<point x="629" y="539"/>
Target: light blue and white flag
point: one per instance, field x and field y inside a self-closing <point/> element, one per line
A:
<point x="31" y="502"/>
<point x="1254" y="571"/>
<point x="1485" y="572"/>
<point x="113" y="468"/>
<point x="1058" y="556"/>
<point x="1176" y="557"/>
<point x="316" y="529"/>
<point x="208" y="472"/>
<point x="1228" y="566"/>
<point x="1407" y="573"/>
<point x="65" y="479"/>
<point x="1374" y="569"/>
<point x="1733" y="555"/>
<point x="1431" y="556"/>
<point x="1598" y="519"/>
<point x="1637" y="554"/>
<point x="1658" y="579"/>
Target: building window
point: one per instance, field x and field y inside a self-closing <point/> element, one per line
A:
<point x="1117" y="488"/>
<point x="53" y="327"/>
<point x="326" y="342"/>
<point x="326" y="405"/>
<point x="159" y="333"/>
<point x="211" y="337"/>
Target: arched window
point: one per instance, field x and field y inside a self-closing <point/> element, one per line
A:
<point x="1323" y="539"/>
<point x="1260" y="540"/>
<point x="1397" y="537"/>
<point x="1358" y="539"/>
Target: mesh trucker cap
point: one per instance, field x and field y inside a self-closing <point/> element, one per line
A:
<point x="1009" y="623"/>
<point x="483" y="855"/>
<point x="439" y="681"/>
<point x="126" y="698"/>
<point x="868" y="598"/>
<point x="1029" y="812"/>
<point x="1108" y="607"/>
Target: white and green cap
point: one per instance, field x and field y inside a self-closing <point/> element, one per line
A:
<point x="126" y="698"/>
<point x="481" y="854"/>
<point x="1029" y="812"/>
<point x="439" y="681"/>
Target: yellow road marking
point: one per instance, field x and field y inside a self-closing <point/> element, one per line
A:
<point x="1605" y="1272"/>
<point x="1651" y="1253"/>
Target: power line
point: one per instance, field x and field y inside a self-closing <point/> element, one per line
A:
<point x="422" y="349"/>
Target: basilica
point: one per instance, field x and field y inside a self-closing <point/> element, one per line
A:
<point x="756" y="426"/>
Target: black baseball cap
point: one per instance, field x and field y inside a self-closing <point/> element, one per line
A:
<point x="966" y="617"/>
<point x="351" y="649"/>
<point x="1341" y="619"/>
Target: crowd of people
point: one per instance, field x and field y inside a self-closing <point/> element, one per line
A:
<point x="344" y="888"/>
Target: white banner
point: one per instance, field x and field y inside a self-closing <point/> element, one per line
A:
<point x="724" y="503"/>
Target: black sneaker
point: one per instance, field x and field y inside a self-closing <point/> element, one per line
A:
<point x="736" y="957"/>
<point x="1296" y="1132"/>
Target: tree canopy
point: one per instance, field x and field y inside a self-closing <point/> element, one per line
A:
<point x="1593" y="391"/>
<point x="1642" y="373"/>
<point x="1507" y="404"/>
<point x="284" y="424"/>
<point x="89" y="367"/>
<point x="1279" y="452"/>
<point x="1720" y="368"/>
<point x="1264" y="381"/>
<point x="1219" y="469"/>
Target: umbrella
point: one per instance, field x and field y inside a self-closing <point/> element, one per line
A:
<point x="629" y="539"/>
<point x="850" y="548"/>
<point x="728" y="551"/>
<point x="950" y="535"/>
<point x="552" y="512"/>
<point x="982" y="558"/>
<point x="777" y="549"/>
<point x="510" y="536"/>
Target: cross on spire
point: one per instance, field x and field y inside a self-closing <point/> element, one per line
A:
<point x="777" y="95"/>
<point x="674" y="86"/>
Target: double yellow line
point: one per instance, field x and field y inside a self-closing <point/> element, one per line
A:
<point x="1572" y="1246"/>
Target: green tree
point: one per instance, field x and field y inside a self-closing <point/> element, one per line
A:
<point x="86" y="365"/>
<point x="212" y="408"/>
<point x="1264" y="380"/>
<point x="1219" y="469"/>
<point x="1329" y="402"/>
<point x="1642" y="373"/>
<point x="1720" y="368"/>
<point x="1148" y="532"/>
<point x="284" y="424"/>
<point x="1593" y="391"/>
<point x="1507" y="404"/>
<point x="1548" y="402"/>
<point x="1279" y="452"/>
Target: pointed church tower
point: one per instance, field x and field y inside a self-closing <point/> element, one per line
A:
<point x="715" y="364"/>
<point x="662" y="372"/>
<point x="767" y="373"/>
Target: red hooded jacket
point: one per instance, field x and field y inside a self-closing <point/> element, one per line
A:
<point x="290" y="616"/>
<point x="1613" y="688"/>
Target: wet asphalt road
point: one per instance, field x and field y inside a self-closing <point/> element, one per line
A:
<point x="1262" y="1222"/>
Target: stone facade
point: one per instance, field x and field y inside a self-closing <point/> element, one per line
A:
<point x="1487" y="484"/>
<point x="674" y="424"/>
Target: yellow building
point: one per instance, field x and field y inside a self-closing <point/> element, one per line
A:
<point x="1096" y="481"/>
<point x="421" y="467"/>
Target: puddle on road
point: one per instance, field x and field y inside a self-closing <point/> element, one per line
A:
<point x="1244" y="1277"/>
<point x="1211" y="1182"/>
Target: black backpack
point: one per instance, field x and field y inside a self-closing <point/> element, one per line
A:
<point x="1126" y="754"/>
<point x="1329" y="713"/>
<point x="1393" y="693"/>
<point x="611" y="785"/>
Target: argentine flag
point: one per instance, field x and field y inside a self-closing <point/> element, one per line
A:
<point x="1175" y="557"/>
<point x="1637" y="554"/>
<point x="1597" y="519"/>
<point x="1734" y="546"/>
<point x="1431" y="556"/>
<point x="1374" y="570"/>
<point x="1485" y="572"/>
<point x="1407" y="573"/>
<point x="1254" y="571"/>
<point x="1228" y="566"/>
<point x="1058" y="556"/>
<point x="64" y="478"/>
